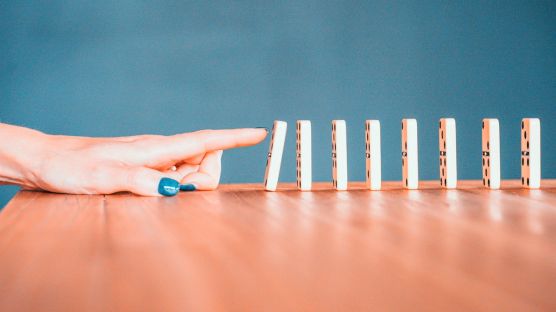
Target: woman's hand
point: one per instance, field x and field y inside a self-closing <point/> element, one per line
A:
<point x="146" y="165"/>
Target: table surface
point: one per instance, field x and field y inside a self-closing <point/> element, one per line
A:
<point x="243" y="249"/>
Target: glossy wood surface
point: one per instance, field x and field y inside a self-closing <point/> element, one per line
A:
<point x="243" y="249"/>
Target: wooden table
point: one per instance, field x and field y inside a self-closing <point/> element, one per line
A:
<point x="243" y="249"/>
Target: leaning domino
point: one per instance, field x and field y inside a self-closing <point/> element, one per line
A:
<point x="491" y="153"/>
<point x="410" y="161"/>
<point x="372" y="154"/>
<point x="531" y="153"/>
<point x="339" y="155"/>
<point x="274" y="158"/>
<point x="303" y="152"/>
<point x="447" y="147"/>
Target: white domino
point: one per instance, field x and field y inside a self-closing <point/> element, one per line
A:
<point x="372" y="155"/>
<point x="274" y="157"/>
<point x="531" y="153"/>
<point x="339" y="155"/>
<point x="410" y="154"/>
<point x="303" y="152"/>
<point x="491" y="153"/>
<point x="447" y="147"/>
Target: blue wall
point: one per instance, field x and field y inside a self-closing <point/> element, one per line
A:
<point x="108" y="68"/>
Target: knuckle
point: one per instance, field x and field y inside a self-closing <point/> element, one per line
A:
<point x="133" y="177"/>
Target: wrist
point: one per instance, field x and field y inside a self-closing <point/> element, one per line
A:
<point x="22" y="151"/>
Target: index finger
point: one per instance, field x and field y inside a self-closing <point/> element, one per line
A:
<point x="183" y="146"/>
<point x="214" y="140"/>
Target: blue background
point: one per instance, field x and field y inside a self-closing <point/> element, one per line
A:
<point x="108" y="68"/>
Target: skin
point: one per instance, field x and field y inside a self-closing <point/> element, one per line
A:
<point x="85" y="165"/>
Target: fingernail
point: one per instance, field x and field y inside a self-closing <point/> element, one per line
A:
<point x="168" y="187"/>
<point x="187" y="187"/>
<point x="265" y="128"/>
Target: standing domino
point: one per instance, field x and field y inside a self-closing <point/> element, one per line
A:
<point x="339" y="155"/>
<point x="372" y="154"/>
<point x="303" y="152"/>
<point x="531" y="153"/>
<point x="491" y="153"/>
<point x="274" y="158"/>
<point x="447" y="147"/>
<point x="410" y="160"/>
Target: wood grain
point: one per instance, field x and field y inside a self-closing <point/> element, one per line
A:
<point x="243" y="249"/>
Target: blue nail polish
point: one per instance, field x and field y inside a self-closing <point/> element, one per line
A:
<point x="265" y="128"/>
<point x="187" y="187"/>
<point x="168" y="187"/>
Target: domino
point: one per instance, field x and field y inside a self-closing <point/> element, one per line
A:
<point x="339" y="155"/>
<point x="410" y="154"/>
<point x="491" y="153"/>
<point x="274" y="157"/>
<point x="372" y="155"/>
<point x="531" y="153"/>
<point x="303" y="152"/>
<point x="448" y="158"/>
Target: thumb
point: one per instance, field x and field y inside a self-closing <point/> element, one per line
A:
<point x="149" y="182"/>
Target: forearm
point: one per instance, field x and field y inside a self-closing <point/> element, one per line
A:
<point x="21" y="150"/>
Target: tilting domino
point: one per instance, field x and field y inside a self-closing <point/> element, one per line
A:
<point x="447" y="147"/>
<point x="491" y="153"/>
<point x="303" y="152"/>
<point x="274" y="157"/>
<point x="339" y="155"/>
<point x="531" y="153"/>
<point x="372" y="155"/>
<point x="410" y="154"/>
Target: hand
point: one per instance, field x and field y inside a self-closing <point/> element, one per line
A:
<point x="138" y="164"/>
